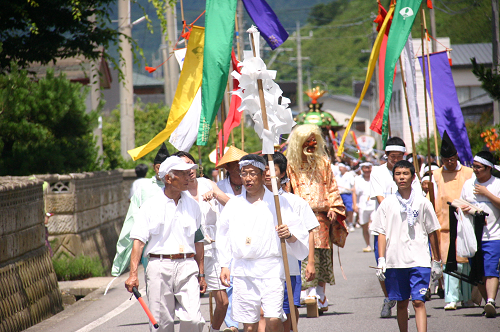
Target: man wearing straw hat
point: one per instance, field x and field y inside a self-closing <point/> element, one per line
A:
<point x="483" y="191"/>
<point x="249" y="236"/>
<point x="449" y="180"/>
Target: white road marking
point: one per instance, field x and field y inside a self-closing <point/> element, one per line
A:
<point x="115" y="312"/>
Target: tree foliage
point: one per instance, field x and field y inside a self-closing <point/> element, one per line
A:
<point x="324" y="13"/>
<point x="43" y="126"/>
<point x="490" y="81"/>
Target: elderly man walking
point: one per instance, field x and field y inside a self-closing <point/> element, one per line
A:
<point x="168" y="223"/>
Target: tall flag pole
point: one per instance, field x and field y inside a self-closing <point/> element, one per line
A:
<point x="371" y="67"/>
<point x="398" y="35"/>
<point x="271" y="119"/>
<point x="219" y="23"/>
<point x="188" y="86"/>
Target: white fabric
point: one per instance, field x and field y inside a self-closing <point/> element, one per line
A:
<point x="335" y="170"/>
<point x="411" y="84"/>
<point x="255" y="163"/>
<point x="137" y="185"/>
<point x="491" y="231"/>
<point x="208" y="211"/>
<point x="165" y="227"/>
<point x="397" y="148"/>
<point x="252" y="294"/>
<point x="279" y="116"/>
<point x="485" y="162"/>
<point x="225" y="186"/>
<point x="155" y="185"/>
<point x="457" y="168"/>
<point x="345" y="182"/>
<point x="212" y="270"/>
<point x="186" y="133"/>
<point x="173" y="290"/>
<point x="406" y="206"/>
<point x="382" y="183"/>
<point x="362" y="187"/>
<point x="174" y="163"/>
<point x="247" y="235"/>
<point x="406" y="246"/>
<point x="308" y="219"/>
<point x="364" y="216"/>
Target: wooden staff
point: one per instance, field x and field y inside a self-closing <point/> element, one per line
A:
<point x="217" y="136"/>
<point x="239" y="58"/>
<point x="432" y="90"/>
<point x="431" y="187"/>
<point x="276" y="201"/>
<point x="413" y="147"/>
<point x="229" y="107"/>
<point x="222" y="121"/>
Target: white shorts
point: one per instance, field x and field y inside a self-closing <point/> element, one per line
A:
<point x="212" y="270"/>
<point x="365" y="216"/>
<point x="250" y="294"/>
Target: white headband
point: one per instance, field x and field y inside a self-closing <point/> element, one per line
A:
<point x="398" y="148"/>
<point x="255" y="163"/>
<point x="365" y="164"/>
<point x="486" y="162"/>
<point x="426" y="178"/>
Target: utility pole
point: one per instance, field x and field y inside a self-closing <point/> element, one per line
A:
<point x="433" y="29"/>
<point x="127" y="128"/>
<point x="496" y="53"/>
<point x="299" y="58"/>
<point x="170" y="68"/>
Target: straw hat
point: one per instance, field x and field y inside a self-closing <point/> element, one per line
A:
<point x="232" y="154"/>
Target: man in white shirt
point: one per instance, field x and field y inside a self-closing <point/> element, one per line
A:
<point x="362" y="204"/>
<point x="168" y="223"/>
<point x="382" y="185"/>
<point x="249" y="236"/>
<point x="406" y="224"/>
<point x="345" y="183"/>
<point x="483" y="191"/>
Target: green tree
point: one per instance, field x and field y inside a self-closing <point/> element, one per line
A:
<point x="490" y="81"/>
<point x="43" y="126"/>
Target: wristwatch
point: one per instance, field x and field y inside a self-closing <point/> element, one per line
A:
<point x="289" y="236"/>
<point x="201" y="275"/>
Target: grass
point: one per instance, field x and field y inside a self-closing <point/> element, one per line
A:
<point x="77" y="268"/>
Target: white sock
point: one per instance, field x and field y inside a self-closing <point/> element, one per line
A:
<point x="320" y="291"/>
<point x="490" y="300"/>
<point x="311" y="291"/>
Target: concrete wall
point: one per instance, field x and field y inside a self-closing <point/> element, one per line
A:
<point x="89" y="209"/>
<point x="29" y="291"/>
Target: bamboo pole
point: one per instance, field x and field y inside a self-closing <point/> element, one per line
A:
<point x="182" y="12"/>
<point x="217" y="136"/>
<point x="238" y="48"/>
<point x="276" y="202"/>
<point x="431" y="188"/>
<point x="229" y="107"/>
<point x="432" y="90"/>
<point x="413" y="147"/>
<point x="222" y="121"/>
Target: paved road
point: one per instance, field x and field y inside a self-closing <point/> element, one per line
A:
<point x="355" y="305"/>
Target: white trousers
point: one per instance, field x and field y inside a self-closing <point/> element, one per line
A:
<point x="173" y="290"/>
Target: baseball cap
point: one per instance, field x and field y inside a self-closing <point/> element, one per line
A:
<point x="174" y="163"/>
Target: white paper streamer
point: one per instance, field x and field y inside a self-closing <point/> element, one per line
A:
<point x="279" y="116"/>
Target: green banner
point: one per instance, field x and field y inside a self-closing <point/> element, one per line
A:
<point x="404" y="16"/>
<point x="219" y="32"/>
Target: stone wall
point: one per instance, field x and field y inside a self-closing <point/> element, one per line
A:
<point x="89" y="209"/>
<point x="29" y="291"/>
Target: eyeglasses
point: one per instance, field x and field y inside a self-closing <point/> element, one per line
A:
<point x="477" y="167"/>
<point x="252" y="175"/>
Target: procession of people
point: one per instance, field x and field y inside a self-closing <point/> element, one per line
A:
<point x="194" y="235"/>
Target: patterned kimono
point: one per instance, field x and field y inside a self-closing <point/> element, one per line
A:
<point x="317" y="186"/>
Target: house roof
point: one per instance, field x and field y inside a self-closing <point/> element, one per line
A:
<point x="483" y="99"/>
<point x="345" y="98"/>
<point x="462" y="53"/>
<point x="143" y="81"/>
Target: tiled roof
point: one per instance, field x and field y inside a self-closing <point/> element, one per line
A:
<point x="141" y="80"/>
<point x="483" y="99"/>
<point x="462" y="53"/>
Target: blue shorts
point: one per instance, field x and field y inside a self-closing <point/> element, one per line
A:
<point x="401" y="283"/>
<point x="491" y="251"/>
<point x="347" y="199"/>
<point x="375" y="247"/>
<point x="296" y="288"/>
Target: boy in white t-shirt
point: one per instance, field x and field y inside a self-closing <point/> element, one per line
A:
<point x="406" y="223"/>
<point x="483" y="191"/>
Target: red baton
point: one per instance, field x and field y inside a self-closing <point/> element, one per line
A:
<point x="138" y="296"/>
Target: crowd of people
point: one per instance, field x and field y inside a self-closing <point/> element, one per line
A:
<point x="194" y="235"/>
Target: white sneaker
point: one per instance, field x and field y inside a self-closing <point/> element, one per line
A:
<point x="490" y="310"/>
<point x="386" y="308"/>
<point x="451" y="306"/>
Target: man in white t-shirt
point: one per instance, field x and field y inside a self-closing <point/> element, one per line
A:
<point x="362" y="204"/>
<point x="406" y="224"/>
<point x="483" y="191"/>
<point x="345" y="183"/>
<point x="382" y="185"/>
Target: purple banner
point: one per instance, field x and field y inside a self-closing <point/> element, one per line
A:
<point x="267" y="22"/>
<point x="449" y="115"/>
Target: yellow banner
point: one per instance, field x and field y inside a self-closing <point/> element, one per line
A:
<point x="189" y="83"/>
<point x="369" y="73"/>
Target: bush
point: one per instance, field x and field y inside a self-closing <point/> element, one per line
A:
<point x="77" y="268"/>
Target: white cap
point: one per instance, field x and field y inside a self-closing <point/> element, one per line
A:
<point x="174" y="163"/>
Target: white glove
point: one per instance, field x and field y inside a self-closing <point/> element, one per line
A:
<point x="381" y="268"/>
<point x="436" y="270"/>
